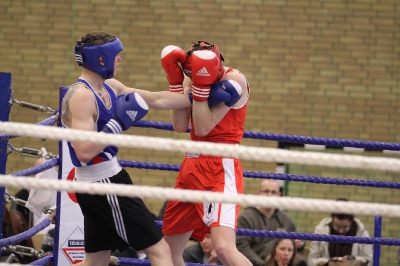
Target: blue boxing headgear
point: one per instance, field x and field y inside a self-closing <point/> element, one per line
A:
<point x="98" y="58"/>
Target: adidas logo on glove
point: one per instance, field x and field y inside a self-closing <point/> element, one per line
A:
<point x="203" y="72"/>
<point x="132" y="114"/>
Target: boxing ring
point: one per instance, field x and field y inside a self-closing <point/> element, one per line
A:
<point x="279" y="156"/>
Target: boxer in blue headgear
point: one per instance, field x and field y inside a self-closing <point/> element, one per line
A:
<point x="98" y="102"/>
<point x="98" y="55"/>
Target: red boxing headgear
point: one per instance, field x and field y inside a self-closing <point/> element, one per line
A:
<point x="200" y="45"/>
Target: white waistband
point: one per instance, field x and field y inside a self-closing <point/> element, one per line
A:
<point x="197" y="155"/>
<point x="99" y="171"/>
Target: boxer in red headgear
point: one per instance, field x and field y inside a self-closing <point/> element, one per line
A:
<point x="200" y="45"/>
<point x="219" y="95"/>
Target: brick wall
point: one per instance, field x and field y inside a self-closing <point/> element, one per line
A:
<point x="318" y="68"/>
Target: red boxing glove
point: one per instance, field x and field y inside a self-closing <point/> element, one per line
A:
<point x="171" y="55"/>
<point x="205" y="71"/>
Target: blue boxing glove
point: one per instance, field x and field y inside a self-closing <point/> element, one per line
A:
<point x="129" y="108"/>
<point x="217" y="95"/>
<point x="227" y="91"/>
<point x="220" y="89"/>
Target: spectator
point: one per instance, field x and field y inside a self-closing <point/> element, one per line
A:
<point x="256" y="249"/>
<point x="14" y="223"/>
<point x="201" y="252"/>
<point x="283" y="253"/>
<point x="354" y="254"/>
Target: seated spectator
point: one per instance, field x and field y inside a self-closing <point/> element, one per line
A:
<point x="256" y="249"/>
<point x="201" y="252"/>
<point x="14" y="223"/>
<point x="328" y="253"/>
<point x="283" y="253"/>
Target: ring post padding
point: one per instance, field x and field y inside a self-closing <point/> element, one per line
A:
<point x="5" y="94"/>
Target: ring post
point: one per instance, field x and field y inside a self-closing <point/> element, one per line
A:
<point x="377" y="233"/>
<point x="5" y="94"/>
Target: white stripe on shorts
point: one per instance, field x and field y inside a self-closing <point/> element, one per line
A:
<point x="228" y="210"/>
<point x="117" y="215"/>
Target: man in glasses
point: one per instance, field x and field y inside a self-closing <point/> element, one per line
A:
<point x="256" y="249"/>
<point x="354" y="254"/>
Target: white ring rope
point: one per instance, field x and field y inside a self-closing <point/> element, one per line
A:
<point x="286" y="203"/>
<point x="206" y="148"/>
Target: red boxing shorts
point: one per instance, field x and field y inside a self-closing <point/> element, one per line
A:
<point x="205" y="173"/>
